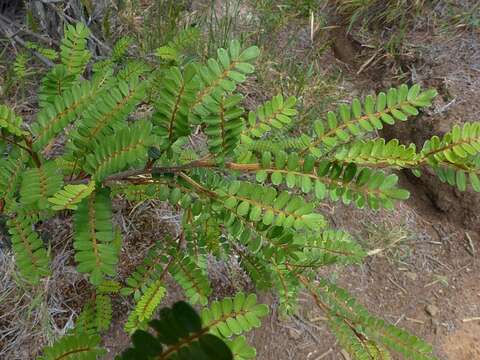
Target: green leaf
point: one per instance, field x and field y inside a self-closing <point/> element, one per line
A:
<point x="395" y="105"/>
<point x="243" y="208"/>
<point x="70" y="196"/>
<point x="306" y="184"/>
<point x="191" y="278"/>
<point x="241" y="349"/>
<point x="461" y="180"/>
<point x="39" y="184"/>
<point x="291" y="180"/>
<point x="32" y="258"/>
<point x="227" y="317"/>
<point x="320" y="190"/>
<point x="73" y="49"/>
<point x="57" y="115"/>
<point x="150" y="300"/>
<point x="94" y="237"/>
<point x="127" y="146"/>
<point x="11" y="122"/>
<point x="249" y="54"/>
<point x="475" y="182"/>
<point x="277" y="178"/>
<point x="399" y="194"/>
<point x="72" y="347"/>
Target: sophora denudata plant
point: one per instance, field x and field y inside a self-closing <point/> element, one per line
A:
<point x="247" y="188"/>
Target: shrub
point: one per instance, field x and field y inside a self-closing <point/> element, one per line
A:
<point x="249" y="190"/>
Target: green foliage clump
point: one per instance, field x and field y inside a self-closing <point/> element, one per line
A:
<point x="247" y="187"/>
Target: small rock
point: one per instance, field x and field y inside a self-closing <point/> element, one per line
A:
<point x="431" y="310"/>
<point x="294" y="334"/>
<point x="411" y="275"/>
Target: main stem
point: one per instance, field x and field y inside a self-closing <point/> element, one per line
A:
<point x="144" y="175"/>
<point x="139" y="174"/>
<point x="27" y="148"/>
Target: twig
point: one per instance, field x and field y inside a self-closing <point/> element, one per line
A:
<point x="439" y="262"/>
<point x="414" y="320"/>
<point x="15" y="143"/>
<point x="397" y="285"/>
<point x="307" y="328"/>
<point x="318" y="318"/>
<point x="132" y="175"/>
<point x="157" y="170"/>
<point x="438" y="280"/>
<point x="12" y="36"/>
<point x="312" y="23"/>
<point x="69" y="19"/>
<point x="399" y="319"/>
<point x="379" y="250"/>
<point x="444" y="107"/>
<point x="345" y="355"/>
<point x="47" y="40"/>
<point x="329" y="351"/>
<point x="470" y="242"/>
<point x="476" y="318"/>
<point x="197" y="185"/>
<point x="366" y="63"/>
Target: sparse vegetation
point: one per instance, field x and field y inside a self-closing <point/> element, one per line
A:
<point x="465" y="20"/>
<point x="378" y="12"/>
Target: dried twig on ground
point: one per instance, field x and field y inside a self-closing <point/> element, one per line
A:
<point x="69" y="19"/>
<point x="45" y="39"/>
<point x="8" y="32"/>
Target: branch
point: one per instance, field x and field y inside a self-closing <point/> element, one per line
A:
<point x="11" y="35"/>
<point x="146" y="174"/>
<point x="28" y="149"/>
<point x="15" y="143"/>
<point x="70" y="19"/>
<point x="158" y="170"/>
<point x="47" y="40"/>
<point x="183" y="341"/>
<point x="197" y="186"/>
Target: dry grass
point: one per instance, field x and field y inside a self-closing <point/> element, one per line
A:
<point x="379" y="11"/>
<point x="392" y="241"/>
<point x="31" y="317"/>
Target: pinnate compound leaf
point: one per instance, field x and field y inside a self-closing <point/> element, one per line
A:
<point x="70" y="196"/>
